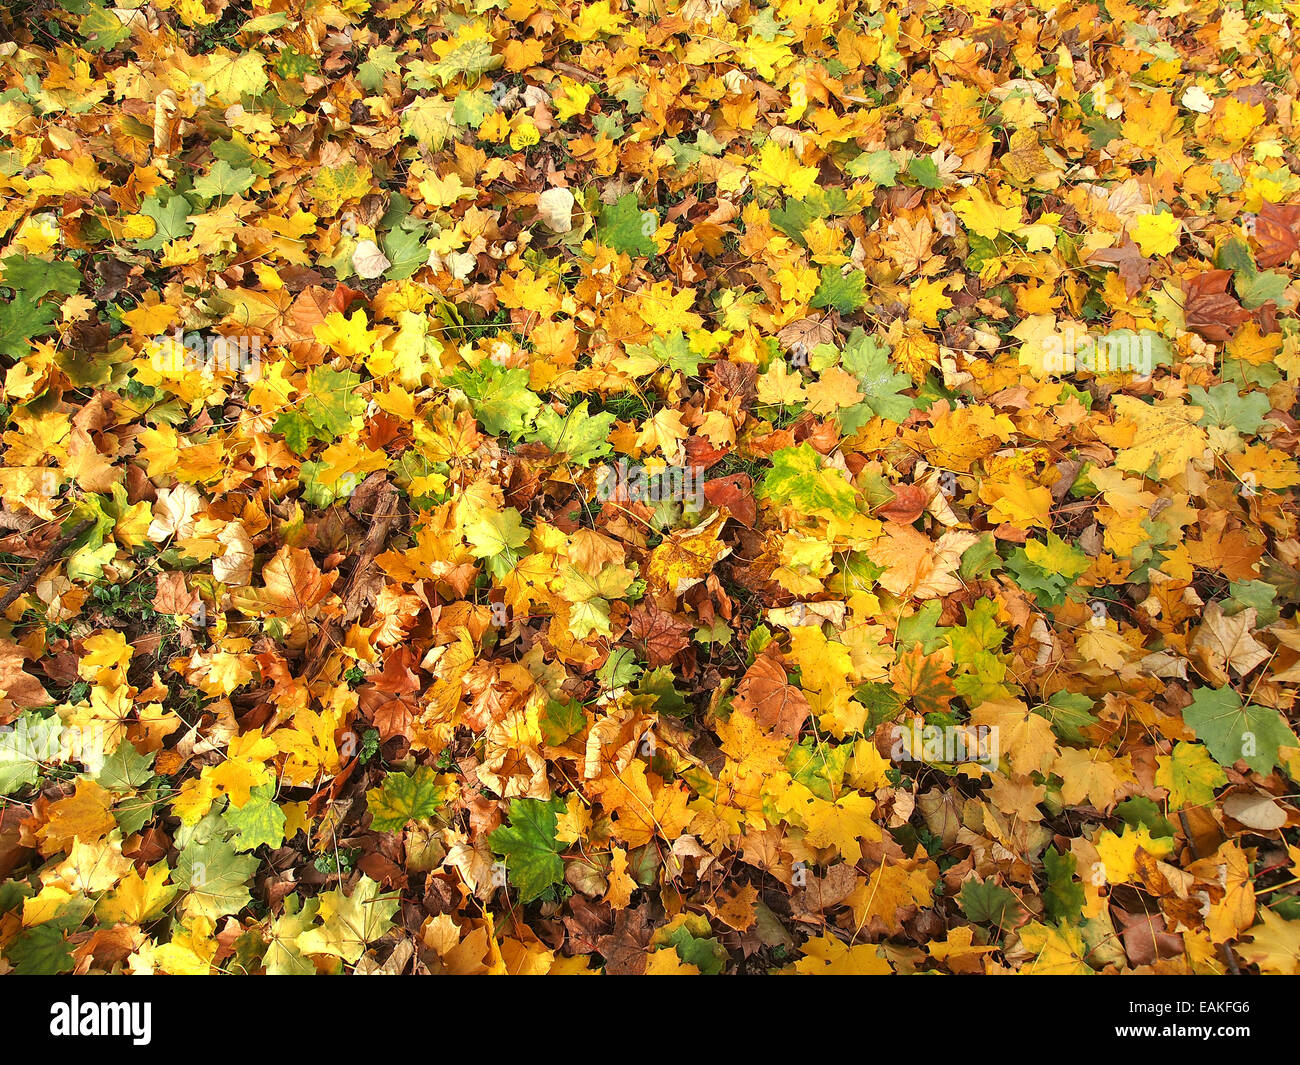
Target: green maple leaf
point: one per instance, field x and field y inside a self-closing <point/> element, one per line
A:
<point x="472" y="107"/>
<point x="292" y="65"/>
<point x="981" y="558"/>
<point x="238" y="152"/>
<point x="331" y="401"/>
<point x="297" y="430"/>
<point x="867" y="359"/>
<point x="102" y="29"/>
<point x="1262" y="287"/>
<point x="1236" y="732"/>
<point x="138" y="810"/>
<point x="1064" y="898"/>
<point x="707" y="955"/>
<point x="33" y="277"/>
<point x="719" y="632"/>
<point x="403" y="797"/>
<point x="214" y="873"/>
<point x="560" y="720"/>
<point x="844" y="293"/>
<point x="878" y="167"/>
<point x="925" y="172"/>
<point x="1247" y="594"/>
<point x="658" y="685"/>
<point x="620" y="669"/>
<point x="588" y="616"/>
<point x="1235" y="255"/>
<point x="1070" y="713"/>
<point x="380" y="60"/>
<point x="631" y="94"/>
<point x="172" y="218"/>
<point x="349" y="923"/>
<point x="405" y="251"/>
<point x="283" y="957"/>
<point x="1054" y="555"/>
<point x="260" y="821"/>
<point x="1046" y="585"/>
<point x="40" y="951"/>
<point x="1190" y="776"/>
<point x="673" y="351"/>
<point x="497" y="535"/>
<point x="623" y="226"/>
<point x="793" y="217"/>
<point x="125" y="769"/>
<point x="529" y="846"/>
<point x="797" y="478"/>
<point x="821" y="771"/>
<point x="501" y="398"/>
<point x="1141" y="812"/>
<point x="980" y="633"/>
<point x="590" y="595"/>
<point x="578" y="435"/>
<point x="24" y="746"/>
<point x="22" y="320"/>
<point x="316" y="492"/>
<point x="922" y="628"/>
<point x="986" y="902"/>
<point x="1225" y="407"/>
<point x="224" y="180"/>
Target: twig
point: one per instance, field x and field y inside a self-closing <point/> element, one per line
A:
<point x="41" y="564"/>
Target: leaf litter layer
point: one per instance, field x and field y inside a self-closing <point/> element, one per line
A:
<point x="649" y="487"/>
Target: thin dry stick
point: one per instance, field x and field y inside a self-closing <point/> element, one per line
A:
<point x="41" y="564"/>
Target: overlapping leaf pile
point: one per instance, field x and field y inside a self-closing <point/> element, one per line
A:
<point x="658" y="487"/>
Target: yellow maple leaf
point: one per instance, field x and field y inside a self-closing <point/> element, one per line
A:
<point x="1057" y="950"/>
<point x="1165" y="433"/>
<point x="894" y="890"/>
<point x="85" y="815"/>
<point x="107" y="659"/>
<point x="621" y="885"/>
<point x="347" y="336"/>
<point x="828" y="955"/>
<point x="1024" y="737"/>
<point x="137" y="899"/>
<point x="1018" y="502"/>
<point x="244" y="767"/>
<point x="986" y="217"/>
<point x="1273" y="945"/>
<point x="779" y="167"/>
<point x="1155" y="234"/>
<point x="927" y="299"/>
<point x="1117" y="855"/>
<point x="843" y="824"/>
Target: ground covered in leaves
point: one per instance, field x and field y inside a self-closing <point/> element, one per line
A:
<point x="718" y="486"/>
